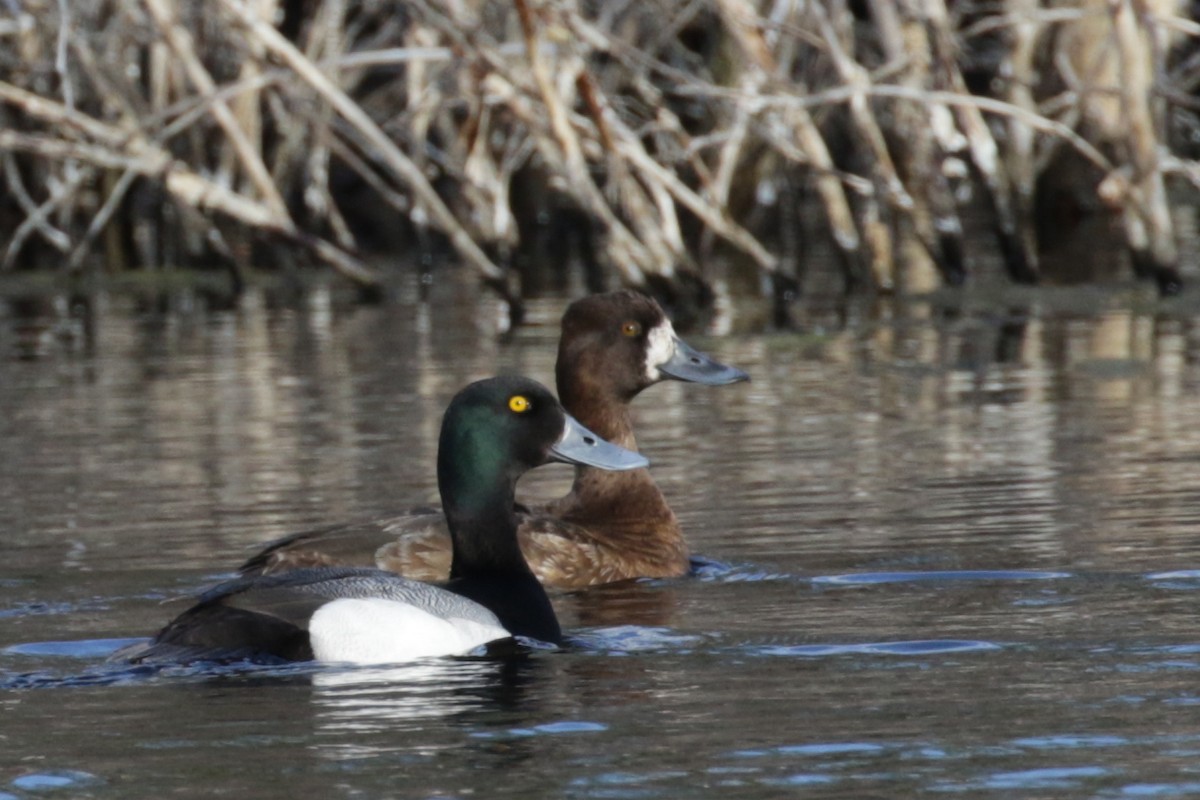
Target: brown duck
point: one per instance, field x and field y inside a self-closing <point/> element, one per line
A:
<point x="612" y="526"/>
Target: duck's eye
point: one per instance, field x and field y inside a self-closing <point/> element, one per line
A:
<point x="632" y="329"/>
<point x="519" y="403"/>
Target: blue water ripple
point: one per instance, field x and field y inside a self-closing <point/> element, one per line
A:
<point x="54" y="779"/>
<point x="1160" y="790"/>
<point x="552" y="728"/>
<point x="82" y="648"/>
<point x="620" y="639"/>
<point x="570" y="726"/>
<point x="817" y="749"/>
<point x="905" y="648"/>
<point x="935" y="576"/>
<point x="626" y="785"/>
<point x="800" y="779"/>
<point x="37" y="609"/>
<point x="1176" y="575"/>
<point x="1046" y="778"/>
<point x="1070" y="740"/>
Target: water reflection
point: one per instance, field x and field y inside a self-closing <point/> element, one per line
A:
<point x="42" y="324"/>
<point x="642" y="603"/>
<point x="941" y="546"/>
<point x="1000" y="416"/>
<point x="399" y="697"/>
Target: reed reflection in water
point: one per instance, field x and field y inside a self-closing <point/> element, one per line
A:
<point x="939" y="548"/>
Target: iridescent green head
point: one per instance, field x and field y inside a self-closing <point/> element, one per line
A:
<point x="497" y="429"/>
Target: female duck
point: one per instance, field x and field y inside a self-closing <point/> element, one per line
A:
<point x="611" y="526"/>
<point x="493" y="432"/>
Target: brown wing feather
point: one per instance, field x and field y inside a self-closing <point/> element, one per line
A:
<point x="360" y="544"/>
<point x="569" y="556"/>
<point x="563" y="554"/>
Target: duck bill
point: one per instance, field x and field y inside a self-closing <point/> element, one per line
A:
<point x="578" y="445"/>
<point x="688" y="364"/>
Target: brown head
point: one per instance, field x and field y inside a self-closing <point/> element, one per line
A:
<point x="616" y="344"/>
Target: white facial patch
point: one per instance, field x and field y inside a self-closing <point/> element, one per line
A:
<point x="379" y="631"/>
<point x="660" y="346"/>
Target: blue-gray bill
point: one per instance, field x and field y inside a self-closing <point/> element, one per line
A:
<point x="689" y="364"/>
<point x="578" y="445"/>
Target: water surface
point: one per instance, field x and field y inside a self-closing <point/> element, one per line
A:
<point x="941" y="551"/>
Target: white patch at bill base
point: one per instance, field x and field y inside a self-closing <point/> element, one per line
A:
<point x="660" y="346"/>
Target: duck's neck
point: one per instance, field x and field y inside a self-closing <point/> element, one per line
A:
<point x="487" y="565"/>
<point x="478" y="500"/>
<point x="599" y="409"/>
<point x="484" y="544"/>
<point x="627" y="499"/>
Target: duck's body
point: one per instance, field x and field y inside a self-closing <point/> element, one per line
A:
<point x="326" y="614"/>
<point x="492" y="433"/>
<point x="611" y="526"/>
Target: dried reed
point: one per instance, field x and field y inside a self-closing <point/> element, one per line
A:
<point x="681" y="133"/>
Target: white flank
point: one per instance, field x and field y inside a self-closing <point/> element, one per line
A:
<point x="377" y="631"/>
<point x="660" y="346"/>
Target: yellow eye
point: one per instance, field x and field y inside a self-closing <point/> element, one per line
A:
<point x="631" y="329"/>
<point x="519" y="403"/>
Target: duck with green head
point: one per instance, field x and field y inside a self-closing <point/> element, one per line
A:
<point x="611" y="526"/>
<point x="492" y="433"/>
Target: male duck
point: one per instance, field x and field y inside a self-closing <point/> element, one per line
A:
<point x="493" y="432"/>
<point x="611" y="526"/>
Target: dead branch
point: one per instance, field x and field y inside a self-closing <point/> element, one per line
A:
<point x="669" y="128"/>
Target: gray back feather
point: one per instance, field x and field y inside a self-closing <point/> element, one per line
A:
<point x="296" y="595"/>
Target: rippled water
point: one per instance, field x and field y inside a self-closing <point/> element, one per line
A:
<point x="940" y="550"/>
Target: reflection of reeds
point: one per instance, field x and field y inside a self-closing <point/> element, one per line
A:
<point x="174" y="132"/>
